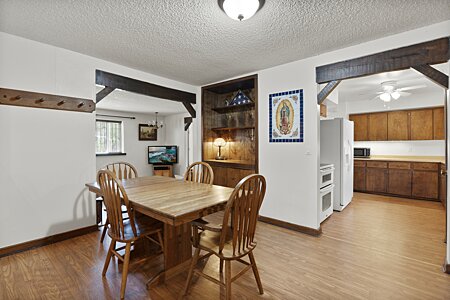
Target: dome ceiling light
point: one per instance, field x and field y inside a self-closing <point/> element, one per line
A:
<point x="240" y="9"/>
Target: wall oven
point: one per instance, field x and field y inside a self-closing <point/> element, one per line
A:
<point x="361" y="152"/>
<point x="326" y="175"/>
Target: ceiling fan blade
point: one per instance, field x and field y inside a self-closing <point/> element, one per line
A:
<point x="414" y="87"/>
<point x="404" y="94"/>
<point x="376" y="97"/>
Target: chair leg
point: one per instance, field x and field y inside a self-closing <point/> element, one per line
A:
<point x="191" y="271"/>
<point x="105" y="228"/>
<point x="160" y="240"/>
<point x="112" y="246"/>
<point x="126" y="263"/>
<point x="221" y="266"/>
<point x="255" y="272"/>
<point x="227" y="280"/>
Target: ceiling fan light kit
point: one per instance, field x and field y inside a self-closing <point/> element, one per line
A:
<point x="240" y="9"/>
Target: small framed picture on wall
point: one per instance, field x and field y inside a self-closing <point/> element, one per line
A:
<point x="147" y="133"/>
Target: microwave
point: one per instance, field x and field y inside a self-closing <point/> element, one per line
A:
<point x="361" y="152"/>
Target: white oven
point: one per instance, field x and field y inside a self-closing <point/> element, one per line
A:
<point x="326" y="202"/>
<point x="326" y="175"/>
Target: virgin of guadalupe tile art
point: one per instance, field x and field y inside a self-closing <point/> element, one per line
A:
<point x="286" y="117"/>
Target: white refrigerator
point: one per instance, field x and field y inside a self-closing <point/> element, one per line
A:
<point x="336" y="147"/>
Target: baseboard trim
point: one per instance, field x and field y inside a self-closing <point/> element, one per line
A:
<point x="13" y="249"/>
<point x="295" y="227"/>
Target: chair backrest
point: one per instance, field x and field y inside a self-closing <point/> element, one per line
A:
<point x="243" y="209"/>
<point x="199" y="172"/>
<point x="114" y="196"/>
<point x="123" y="170"/>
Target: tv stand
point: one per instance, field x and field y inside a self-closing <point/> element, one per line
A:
<point x="163" y="170"/>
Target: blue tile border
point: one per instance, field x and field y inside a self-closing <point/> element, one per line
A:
<point x="301" y="119"/>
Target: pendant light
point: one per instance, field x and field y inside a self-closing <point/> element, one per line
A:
<point x="240" y="9"/>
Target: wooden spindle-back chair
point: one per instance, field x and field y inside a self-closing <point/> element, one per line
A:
<point x="199" y="172"/>
<point x="122" y="170"/>
<point x="232" y="243"/>
<point x="124" y="230"/>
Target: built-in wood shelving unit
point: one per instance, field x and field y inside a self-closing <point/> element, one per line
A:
<point x="232" y="128"/>
<point x="234" y="108"/>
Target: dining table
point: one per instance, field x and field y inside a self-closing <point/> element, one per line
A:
<point x="175" y="203"/>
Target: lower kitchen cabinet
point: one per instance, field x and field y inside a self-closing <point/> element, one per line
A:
<point x="359" y="179"/>
<point x="400" y="182"/>
<point x="376" y="180"/>
<point x="425" y="184"/>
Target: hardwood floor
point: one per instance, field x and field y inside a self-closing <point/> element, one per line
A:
<point x="377" y="248"/>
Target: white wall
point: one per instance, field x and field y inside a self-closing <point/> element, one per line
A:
<point x="175" y="135"/>
<point x="136" y="150"/>
<point x="47" y="156"/>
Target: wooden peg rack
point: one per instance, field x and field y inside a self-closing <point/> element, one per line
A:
<point x="38" y="100"/>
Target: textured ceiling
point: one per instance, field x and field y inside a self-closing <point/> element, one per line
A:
<point x="195" y="42"/>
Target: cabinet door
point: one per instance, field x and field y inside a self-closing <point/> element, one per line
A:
<point x="438" y="124"/>
<point x="220" y="175"/>
<point x="360" y="126"/>
<point x="378" y="124"/>
<point x="425" y="184"/>
<point x="443" y="186"/>
<point x="421" y="124"/>
<point x="400" y="182"/>
<point x="376" y="180"/>
<point x="359" y="179"/>
<point x="398" y="125"/>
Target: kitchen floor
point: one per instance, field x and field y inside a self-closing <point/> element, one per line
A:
<point x="377" y="248"/>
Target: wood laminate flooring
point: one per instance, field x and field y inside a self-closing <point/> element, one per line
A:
<point x="377" y="248"/>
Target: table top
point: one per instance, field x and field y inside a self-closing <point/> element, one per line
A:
<point x="170" y="200"/>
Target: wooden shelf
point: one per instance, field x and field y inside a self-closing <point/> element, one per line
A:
<point x="234" y="108"/>
<point x="232" y="128"/>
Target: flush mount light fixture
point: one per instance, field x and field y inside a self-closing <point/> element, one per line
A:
<point x="240" y="9"/>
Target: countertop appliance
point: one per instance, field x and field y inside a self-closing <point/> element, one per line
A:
<point x="326" y="191"/>
<point x="336" y="147"/>
<point x="361" y="152"/>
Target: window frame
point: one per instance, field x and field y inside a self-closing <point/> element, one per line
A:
<point x="122" y="146"/>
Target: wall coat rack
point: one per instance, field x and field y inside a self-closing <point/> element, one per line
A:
<point x="39" y="100"/>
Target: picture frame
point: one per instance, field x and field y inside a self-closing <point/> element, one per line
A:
<point x="286" y="117"/>
<point x="147" y="133"/>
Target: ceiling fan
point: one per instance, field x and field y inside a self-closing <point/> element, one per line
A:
<point x="390" y="91"/>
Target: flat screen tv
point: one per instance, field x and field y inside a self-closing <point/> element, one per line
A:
<point x="162" y="155"/>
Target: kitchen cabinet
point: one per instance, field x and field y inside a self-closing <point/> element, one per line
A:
<point x="425" y="184"/>
<point x="398" y="125"/>
<point x="438" y="124"/>
<point x="360" y="126"/>
<point x="359" y="178"/>
<point x="443" y="185"/>
<point x="376" y="180"/>
<point x="400" y="182"/>
<point x="378" y="127"/>
<point x="421" y="124"/>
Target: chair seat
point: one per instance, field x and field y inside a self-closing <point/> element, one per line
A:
<point x="210" y="240"/>
<point x="144" y="226"/>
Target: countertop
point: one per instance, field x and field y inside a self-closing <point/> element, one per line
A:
<point x="429" y="159"/>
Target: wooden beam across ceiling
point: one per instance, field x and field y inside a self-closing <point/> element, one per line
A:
<point x="103" y="93"/>
<point x="434" y="75"/>
<point x="427" y="53"/>
<point x="323" y="94"/>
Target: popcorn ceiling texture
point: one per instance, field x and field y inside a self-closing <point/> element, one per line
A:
<point x="195" y="42"/>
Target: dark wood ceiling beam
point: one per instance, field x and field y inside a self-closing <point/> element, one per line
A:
<point x="323" y="94"/>
<point x="103" y="93"/>
<point x="428" y="53"/>
<point x="187" y="122"/>
<point x="142" y="87"/>
<point x="190" y="109"/>
<point x="434" y="75"/>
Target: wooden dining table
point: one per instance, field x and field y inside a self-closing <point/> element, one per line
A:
<point x="175" y="203"/>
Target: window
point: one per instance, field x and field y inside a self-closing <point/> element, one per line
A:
<point x="109" y="137"/>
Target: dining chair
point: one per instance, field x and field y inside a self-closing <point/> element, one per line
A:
<point x="122" y="170"/>
<point x="232" y="243"/>
<point x="123" y="230"/>
<point x="200" y="172"/>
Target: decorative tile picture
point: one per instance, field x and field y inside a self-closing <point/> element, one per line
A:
<point x="286" y="117"/>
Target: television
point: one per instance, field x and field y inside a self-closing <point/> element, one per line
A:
<point x="162" y="155"/>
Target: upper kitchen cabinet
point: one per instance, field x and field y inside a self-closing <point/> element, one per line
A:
<point x="438" y="124"/>
<point x="378" y="127"/>
<point x="401" y="125"/>
<point x="398" y="125"/>
<point x="360" y="126"/>
<point x="421" y="124"/>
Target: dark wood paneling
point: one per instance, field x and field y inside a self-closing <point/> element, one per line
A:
<point x="398" y="125"/>
<point x="359" y="179"/>
<point x="432" y="52"/>
<point x="360" y="127"/>
<point x="376" y="180"/>
<point x="141" y="87"/>
<point x="400" y="182"/>
<point x="243" y="83"/>
<point x="421" y="124"/>
<point x="46" y="240"/>
<point x="425" y="184"/>
<point x="295" y="227"/>
<point x="438" y="123"/>
<point x="378" y="123"/>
